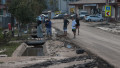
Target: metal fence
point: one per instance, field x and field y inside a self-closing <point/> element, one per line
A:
<point x="4" y="21"/>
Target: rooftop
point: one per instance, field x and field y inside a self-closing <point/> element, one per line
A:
<point x="88" y="2"/>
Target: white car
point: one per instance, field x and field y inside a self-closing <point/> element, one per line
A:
<point x="83" y="14"/>
<point x="45" y="15"/>
<point x="93" y="18"/>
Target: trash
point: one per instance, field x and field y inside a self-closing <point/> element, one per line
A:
<point x="25" y="32"/>
<point x="80" y="51"/>
<point x="69" y="46"/>
<point x="2" y="50"/>
<point x="57" y="55"/>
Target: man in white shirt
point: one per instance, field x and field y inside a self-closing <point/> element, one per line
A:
<point x="74" y="26"/>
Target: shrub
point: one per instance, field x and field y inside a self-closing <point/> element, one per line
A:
<point x="1" y="35"/>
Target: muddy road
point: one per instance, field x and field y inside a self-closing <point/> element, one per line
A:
<point x="104" y="44"/>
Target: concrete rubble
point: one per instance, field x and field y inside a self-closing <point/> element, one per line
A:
<point x="110" y="27"/>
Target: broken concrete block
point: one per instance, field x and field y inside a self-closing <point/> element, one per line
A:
<point x="3" y="55"/>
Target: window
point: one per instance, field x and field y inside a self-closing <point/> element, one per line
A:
<point x="92" y="16"/>
<point x="1" y="12"/>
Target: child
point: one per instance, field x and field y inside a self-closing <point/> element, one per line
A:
<point x="74" y="26"/>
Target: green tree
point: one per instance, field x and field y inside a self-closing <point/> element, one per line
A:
<point x="26" y="11"/>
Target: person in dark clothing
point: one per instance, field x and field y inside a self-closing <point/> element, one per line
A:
<point x="66" y="22"/>
<point x="38" y="22"/>
<point x="48" y="25"/>
<point x="78" y="24"/>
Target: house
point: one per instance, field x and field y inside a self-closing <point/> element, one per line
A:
<point x="115" y="9"/>
<point x="3" y="7"/>
<point x="4" y="13"/>
<point x="98" y="6"/>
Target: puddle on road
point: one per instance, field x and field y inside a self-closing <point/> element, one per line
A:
<point x="33" y="51"/>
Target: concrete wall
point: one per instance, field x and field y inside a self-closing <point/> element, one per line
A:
<point x="4" y="21"/>
<point x="20" y="50"/>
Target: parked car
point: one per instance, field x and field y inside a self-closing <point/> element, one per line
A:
<point x="72" y="15"/>
<point x="59" y="16"/>
<point x="45" y="15"/>
<point x="83" y="14"/>
<point x="93" y="18"/>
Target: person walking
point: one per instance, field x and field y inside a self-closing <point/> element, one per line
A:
<point x="78" y="24"/>
<point x="48" y="25"/>
<point x="74" y="26"/>
<point x="66" y="22"/>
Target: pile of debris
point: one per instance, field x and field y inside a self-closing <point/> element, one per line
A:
<point x="110" y="27"/>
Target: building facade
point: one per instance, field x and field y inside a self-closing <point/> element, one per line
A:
<point x="2" y="7"/>
<point x="98" y="6"/>
<point x="52" y="5"/>
<point x="63" y="5"/>
<point x="60" y="5"/>
<point x="4" y="15"/>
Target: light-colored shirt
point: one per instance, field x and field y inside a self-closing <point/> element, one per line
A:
<point x="39" y="18"/>
<point x="43" y="18"/>
<point x="74" y="24"/>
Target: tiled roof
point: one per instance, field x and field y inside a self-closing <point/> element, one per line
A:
<point x="89" y="2"/>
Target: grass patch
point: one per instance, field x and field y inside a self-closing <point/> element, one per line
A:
<point x="1" y="35"/>
<point x="10" y="48"/>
